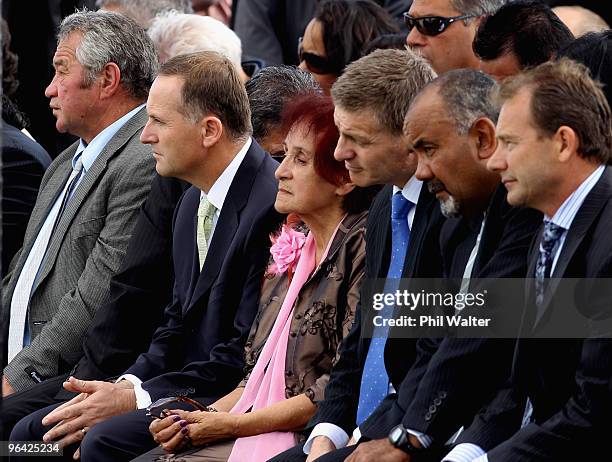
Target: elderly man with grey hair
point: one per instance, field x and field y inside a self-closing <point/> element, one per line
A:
<point x="176" y="34"/>
<point x="89" y="198"/>
<point x="143" y="11"/>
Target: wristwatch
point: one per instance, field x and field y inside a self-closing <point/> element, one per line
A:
<point x="398" y="437"/>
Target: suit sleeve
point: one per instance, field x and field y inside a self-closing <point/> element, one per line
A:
<point x="223" y="369"/>
<point x="573" y="427"/>
<point x="257" y="25"/>
<point x="453" y="388"/>
<point x="77" y="308"/>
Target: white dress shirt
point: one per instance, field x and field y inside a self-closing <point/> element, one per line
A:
<point x="18" y="328"/>
<point x="216" y="196"/>
<point x="564" y="217"/>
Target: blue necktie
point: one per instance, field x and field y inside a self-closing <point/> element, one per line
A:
<point x="550" y="238"/>
<point x="374" y="380"/>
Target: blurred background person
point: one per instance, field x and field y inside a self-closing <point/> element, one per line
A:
<point x="269" y="29"/>
<point x="178" y="33"/>
<point x="580" y="20"/>
<point x="269" y="91"/>
<point x="143" y="11"/>
<point x="520" y="34"/>
<point x="24" y="161"/>
<point x="442" y="31"/>
<point x="594" y="50"/>
<point x="337" y="35"/>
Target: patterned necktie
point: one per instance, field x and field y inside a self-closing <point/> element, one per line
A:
<point x="206" y="212"/>
<point x="550" y="238"/>
<point x="374" y="379"/>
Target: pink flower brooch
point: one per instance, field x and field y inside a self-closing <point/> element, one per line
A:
<point x="286" y="250"/>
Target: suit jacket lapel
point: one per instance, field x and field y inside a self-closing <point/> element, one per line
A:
<point x="89" y="180"/>
<point x="419" y="225"/>
<point x="228" y="222"/>
<point x="587" y="213"/>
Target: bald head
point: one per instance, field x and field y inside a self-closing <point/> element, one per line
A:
<point x="580" y="20"/>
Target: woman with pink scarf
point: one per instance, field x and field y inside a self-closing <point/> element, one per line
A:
<point x="306" y="308"/>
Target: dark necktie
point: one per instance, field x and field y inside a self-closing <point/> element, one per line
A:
<point x="550" y="238"/>
<point x="374" y="379"/>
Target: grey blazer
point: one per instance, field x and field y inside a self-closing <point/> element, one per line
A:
<point x="85" y="251"/>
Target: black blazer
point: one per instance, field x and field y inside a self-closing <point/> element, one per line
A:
<point x="23" y="164"/>
<point x="445" y="386"/>
<point x="199" y="349"/>
<point x="139" y="293"/>
<point x="342" y="392"/>
<point x="569" y="382"/>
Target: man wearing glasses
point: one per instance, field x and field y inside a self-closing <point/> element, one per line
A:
<point x="443" y="30"/>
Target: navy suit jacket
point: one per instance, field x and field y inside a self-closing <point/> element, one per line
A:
<point x="568" y="381"/>
<point x="199" y="349"/>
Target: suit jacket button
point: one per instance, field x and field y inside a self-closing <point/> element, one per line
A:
<point x="428" y="417"/>
<point x="433" y="408"/>
<point x="288" y="373"/>
<point x="293" y="334"/>
<point x="298" y="316"/>
<point x="442" y="394"/>
<point x="437" y="401"/>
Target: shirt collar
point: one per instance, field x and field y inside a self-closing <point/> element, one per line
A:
<point x="411" y="190"/>
<point x="218" y="192"/>
<point x="91" y="151"/>
<point x="569" y="209"/>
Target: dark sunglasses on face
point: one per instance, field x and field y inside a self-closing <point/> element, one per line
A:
<point x="432" y="25"/>
<point x="315" y="63"/>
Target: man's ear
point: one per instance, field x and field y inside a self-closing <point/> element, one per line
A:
<point x="211" y="129"/>
<point x="109" y="78"/>
<point x="566" y="142"/>
<point x="484" y="132"/>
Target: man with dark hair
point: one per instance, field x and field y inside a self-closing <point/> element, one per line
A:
<point x="557" y="404"/>
<point x="268" y="91"/>
<point x="220" y="248"/>
<point x="520" y="34"/>
<point x="443" y="30"/>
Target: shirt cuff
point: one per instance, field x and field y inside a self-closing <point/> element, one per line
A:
<point x="331" y="431"/>
<point x="425" y="440"/>
<point x="143" y="399"/>
<point x="466" y="452"/>
<point x="356" y="435"/>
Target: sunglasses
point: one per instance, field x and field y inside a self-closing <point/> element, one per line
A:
<point x="315" y="63"/>
<point x="432" y="25"/>
<point x="156" y="409"/>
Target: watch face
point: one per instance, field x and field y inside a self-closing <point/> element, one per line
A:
<point x="396" y="435"/>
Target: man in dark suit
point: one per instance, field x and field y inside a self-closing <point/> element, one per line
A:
<point x="89" y="197"/>
<point x="220" y="249"/>
<point x="452" y="137"/>
<point x="557" y="405"/>
<point x="375" y="152"/>
<point x="24" y="162"/>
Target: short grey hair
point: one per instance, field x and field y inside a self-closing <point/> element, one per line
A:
<point x="477" y="7"/>
<point x="468" y="95"/>
<point x="177" y="33"/>
<point x="143" y="11"/>
<point x="385" y="82"/>
<point x="270" y="89"/>
<point x="110" y="37"/>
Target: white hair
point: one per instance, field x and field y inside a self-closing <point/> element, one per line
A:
<point x="176" y="33"/>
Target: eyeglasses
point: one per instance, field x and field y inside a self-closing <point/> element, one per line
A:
<point x="156" y="409"/>
<point x="315" y="63"/>
<point x="432" y="25"/>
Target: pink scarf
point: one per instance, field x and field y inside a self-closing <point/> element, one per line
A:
<point x="266" y="384"/>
